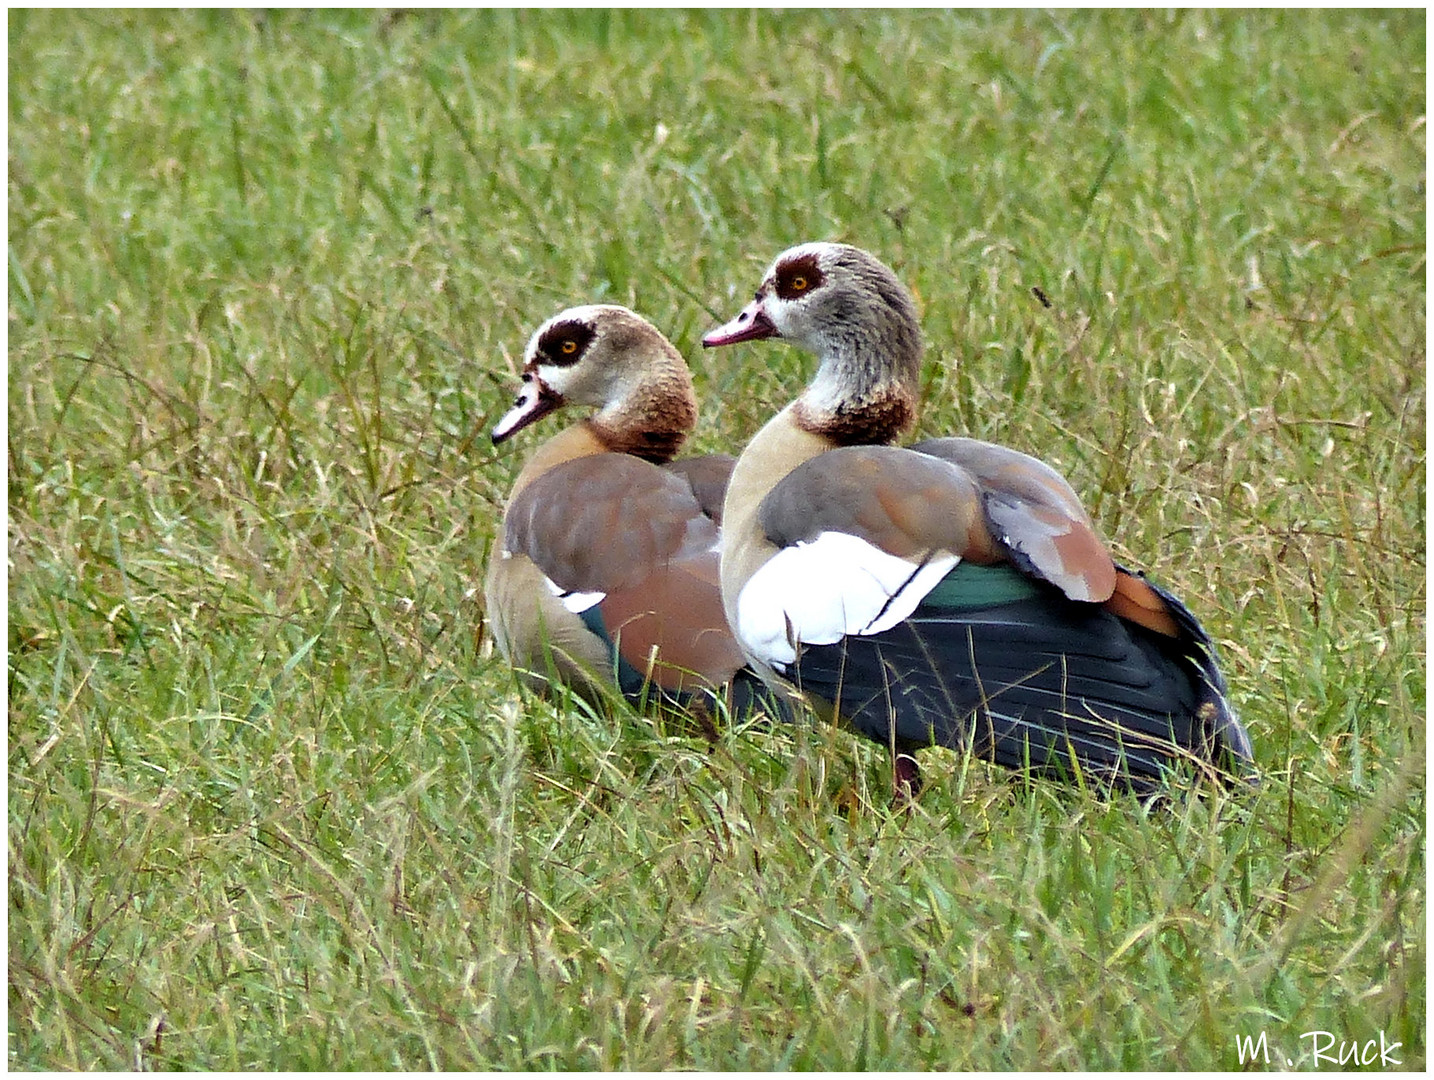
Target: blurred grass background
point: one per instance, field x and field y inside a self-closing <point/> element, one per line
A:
<point x="274" y="803"/>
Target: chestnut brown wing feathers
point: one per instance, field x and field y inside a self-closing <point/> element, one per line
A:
<point x="1034" y="516"/>
<point x="981" y="502"/>
<point x="904" y="503"/>
<point x="604" y="522"/>
<point x="707" y="475"/>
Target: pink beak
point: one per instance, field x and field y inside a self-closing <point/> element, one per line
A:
<point x="751" y="325"/>
<point x="534" y="402"/>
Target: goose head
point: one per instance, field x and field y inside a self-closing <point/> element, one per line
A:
<point x="847" y="307"/>
<point x="612" y="358"/>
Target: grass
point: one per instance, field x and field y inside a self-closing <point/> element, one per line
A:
<point x="274" y="802"/>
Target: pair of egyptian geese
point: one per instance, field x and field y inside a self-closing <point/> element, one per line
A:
<point x="951" y="593"/>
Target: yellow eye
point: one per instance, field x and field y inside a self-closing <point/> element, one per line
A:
<point x="569" y="347"/>
<point x="798" y="283"/>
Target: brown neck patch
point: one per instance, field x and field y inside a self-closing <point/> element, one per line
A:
<point x="657" y="445"/>
<point x="877" y="422"/>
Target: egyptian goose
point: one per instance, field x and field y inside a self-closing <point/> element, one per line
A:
<point x="607" y="559"/>
<point x="954" y="593"/>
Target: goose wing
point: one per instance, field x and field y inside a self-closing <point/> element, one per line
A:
<point x="627" y="545"/>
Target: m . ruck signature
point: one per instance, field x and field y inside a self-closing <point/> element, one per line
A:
<point x="1326" y="1049"/>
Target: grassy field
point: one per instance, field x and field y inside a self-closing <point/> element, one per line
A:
<point x="275" y="803"/>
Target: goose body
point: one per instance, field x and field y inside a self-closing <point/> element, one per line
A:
<point x="952" y="593"/>
<point x="606" y="563"/>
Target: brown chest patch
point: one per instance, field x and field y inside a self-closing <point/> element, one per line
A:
<point x="658" y="446"/>
<point x="878" y="422"/>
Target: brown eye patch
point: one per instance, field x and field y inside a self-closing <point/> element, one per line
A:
<point x="564" y="343"/>
<point x="797" y="277"/>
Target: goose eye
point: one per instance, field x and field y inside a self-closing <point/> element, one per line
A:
<point x="798" y="277"/>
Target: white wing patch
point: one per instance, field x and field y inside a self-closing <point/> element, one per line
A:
<point x="576" y="602"/>
<point x="818" y="592"/>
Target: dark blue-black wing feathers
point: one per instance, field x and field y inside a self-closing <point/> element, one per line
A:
<point x="1038" y="681"/>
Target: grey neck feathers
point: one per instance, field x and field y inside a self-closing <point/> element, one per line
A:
<point x="867" y="388"/>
